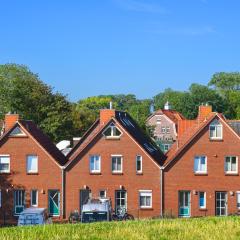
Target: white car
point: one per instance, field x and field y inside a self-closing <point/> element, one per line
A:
<point x="34" y="216"/>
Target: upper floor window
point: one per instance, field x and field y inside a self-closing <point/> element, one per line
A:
<point x="95" y="164"/>
<point x="200" y="164"/>
<point x="32" y="164"/>
<point x="145" y="198"/>
<point x="5" y="164"/>
<point x="112" y="132"/>
<point x="167" y="129"/>
<point x="158" y="120"/>
<point x="116" y="164"/>
<point x="163" y="130"/>
<point x="202" y="199"/>
<point x="215" y="130"/>
<point x="17" y="132"/>
<point x="231" y="164"/>
<point x="139" y="164"/>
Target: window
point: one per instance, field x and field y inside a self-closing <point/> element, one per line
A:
<point x="158" y="120"/>
<point x="120" y="201"/>
<point x="139" y="164"/>
<point x="117" y="164"/>
<point x="215" y="130"/>
<point x="112" y="132"/>
<point x="32" y="164"/>
<point x="231" y="164"/>
<point x="166" y="147"/>
<point x="200" y="164"/>
<point x="17" y="132"/>
<point x="19" y="201"/>
<point x="102" y="193"/>
<point x="202" y="199"/>
<point x="238" y="199"/>
<point x="5" y="164"/>
<point x="34" y="198"/>
<point x="168" y="129"/>
<point x="145" y="198"/>
<point x="95" y="164"/>
<point x="163" y="130"/>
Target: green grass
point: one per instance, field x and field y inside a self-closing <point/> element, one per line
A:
<point x="198" y="228"/>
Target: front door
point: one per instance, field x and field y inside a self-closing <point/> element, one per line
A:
<point x="84" y="196"/>
<point x="184" y="203"/>
<point x="54" y="202"/>
<point x="221" y="203"/>
<point x="19" y="201"/>
<point x="120" y="201"/>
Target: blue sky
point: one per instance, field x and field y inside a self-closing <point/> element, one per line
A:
<point x="89" y="47"/>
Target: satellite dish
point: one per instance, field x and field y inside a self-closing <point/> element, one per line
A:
<point x="63" y="144"/>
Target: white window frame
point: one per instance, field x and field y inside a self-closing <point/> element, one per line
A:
<point x="94" y="170"/>
<point x="238" y="199"/>
<point x="32" y="171"/>
<point x="34" y="205"/>
<point x="158" y="120"/>
<point x="105" y="193"/>
<point x="231" y="172"/>
<point x="199" y="164"/>
<point x="163" y="130"/>
<point x="216" y="124"/>
<point x="168" y="130"/>
<point x="112" y="136"/>
<point x="139" y="157"/>
<point x="9" y="168"/>
<point x="117" y="171"/>
<point x="147" y="193"/>
<point x="205" y="200"/>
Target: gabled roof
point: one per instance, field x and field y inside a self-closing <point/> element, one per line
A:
<point x="40" y="137"/>
<point x="182" y="144"/>
<point x="142" y="139"/>
<point x="171" y="114"/>
<point x="235" y="125"/>
<point x="130" y="126"/>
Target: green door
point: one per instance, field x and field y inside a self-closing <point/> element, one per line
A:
<point x="54" y="202"/>
<point x="184" y="203"/>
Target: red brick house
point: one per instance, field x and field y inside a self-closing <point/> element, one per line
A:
<point x="201" y="174"/>
<point x="30" y="169"/>
<point x="114" y="159"/>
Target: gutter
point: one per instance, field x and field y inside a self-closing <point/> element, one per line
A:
<point x="63" y="191"/>
<point x="161" y="191"/>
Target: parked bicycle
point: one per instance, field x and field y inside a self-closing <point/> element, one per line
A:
<point x="74" y="217"/>
<point x="121" y="215"/>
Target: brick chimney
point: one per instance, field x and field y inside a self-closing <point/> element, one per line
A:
<point x="203" y="112"/>
<point x="106" y="115"/>
<point x="10" y="120"/>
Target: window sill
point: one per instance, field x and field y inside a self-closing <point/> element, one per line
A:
<point x="203" y="209"/>
<point x="146" y="208"/>
<point x="112" y="138"/>
<point x="5" y="173"/>
<point x="117" y="173"/>
<point x="33" y="173"/>
<point x="19" y="136"/>
<point x="200" y="174"/>
<point x="215" y="139"/>
<point x="95" y="173"/>
<point x="139" y="173"/>
<point x="231" y="174"/>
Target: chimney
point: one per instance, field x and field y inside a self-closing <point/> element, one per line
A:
<point x="203" y="112"/>
<point x="167" y="106"/>
<point x="106" y="115"/>
<point x="10" y="120"/>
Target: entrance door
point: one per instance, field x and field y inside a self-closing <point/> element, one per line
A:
<point x="19" y="201"/>
<point x="84" y="196"/>
<point x="184" y="203"/>
<point x="221" y="203"/>
<point x="120" y="201"/>
<point x="54" y="202"/>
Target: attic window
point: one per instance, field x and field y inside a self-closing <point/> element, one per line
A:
<point x="112" y="132"/>
<point x="215" y="130"/>
<point x="17" y="132"/>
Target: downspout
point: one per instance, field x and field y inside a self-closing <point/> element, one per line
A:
<point x="161" y="190"/>
<point x="63" y="191"/>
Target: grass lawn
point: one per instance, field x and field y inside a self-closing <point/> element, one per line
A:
<point x="195" y="228"/>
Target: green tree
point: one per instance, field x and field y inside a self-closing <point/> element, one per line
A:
<point x="23" y="92"/>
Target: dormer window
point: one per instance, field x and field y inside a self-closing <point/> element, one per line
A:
<point x="112" y="132"/>
<point x="215" y="130"/>
<point x="17" y="132"/>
